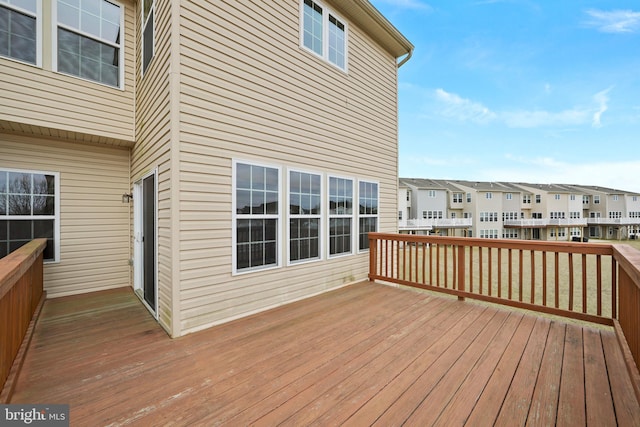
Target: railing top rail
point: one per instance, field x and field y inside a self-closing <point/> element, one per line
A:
<point x="564" y="247"/>
<point x="13" y="266"/>
<point x="629" y="259"/>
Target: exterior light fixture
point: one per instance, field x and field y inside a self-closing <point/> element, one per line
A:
<point x="126" y="197"/>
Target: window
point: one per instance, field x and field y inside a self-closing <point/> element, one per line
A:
<point x="538" y="199"/>
<point x="368" y="218"/>
<point x="257" y="213"/>
<point x="457" y="197"/>
<point x="305" y="212"/>
<point x="489" y="195"/>
<point x="526" y="199"/>
<point x="89" y="40"/>
<point x="585" y="200"/>
<point x="615" y="197"/>
<point x="400" y="215"/>
<point x="509" y="196"/>
<point x="340" y="215"/>
<point x="29" y="209"/>
<point x="596" y="200"/>
<point x="408" y="196"/>
<point x="468" y="197"/>
<point x="634" y="198"/>
<point x="432" y="194"/>
<point x="20" y="30"/>
<point x="572" y="197"/>
<point x="324" y="33"/>
<point x="148" y="47"/>
<point x="556" y="196"/>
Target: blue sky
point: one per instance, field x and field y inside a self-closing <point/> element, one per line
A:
<point x="520" y="90"/>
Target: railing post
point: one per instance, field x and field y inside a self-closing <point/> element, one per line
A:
<point x="461" y="272"/>
<point x="373" y="252"/>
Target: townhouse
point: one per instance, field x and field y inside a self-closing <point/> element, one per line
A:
<point x="513" y="210"/>
<point x="220" y="157"/>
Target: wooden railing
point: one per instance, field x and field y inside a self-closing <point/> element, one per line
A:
<point x="586" y="281"/>
<point x="20" y="293"/>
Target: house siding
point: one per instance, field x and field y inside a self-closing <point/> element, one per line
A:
<point x="255" y="95"/>
<point x="94" y="238"/>
<point x="152" y="150"/>
<point x="39" y="97"/>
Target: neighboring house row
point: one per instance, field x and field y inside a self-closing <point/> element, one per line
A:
<point x="220" y="157"/>
<point x="509" y="210"/>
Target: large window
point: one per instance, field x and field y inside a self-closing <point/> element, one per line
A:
<point x="305" y="213"/>
<point x="257" y="213"/>
<point x="148" y="47"/>
<point x="89" y="37"/>
<point x="340" y="215"/>
<point x="19" y="30"/>
<point x="368" y="210"/>
<point x="324" y="33"/>
<point x="28" y="210"/>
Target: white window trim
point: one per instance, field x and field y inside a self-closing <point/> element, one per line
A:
<point x="38" y="17"/>
<point x="352" y="216"/>
<point x="55" y="217"/>
<point x="152" y="14"/>
<point x="54" y="44"/>
<point x="326" y="11"/>
<point x="359" y="215"/>
<point x="234" y="216"/>
<point x="321" y="221"/>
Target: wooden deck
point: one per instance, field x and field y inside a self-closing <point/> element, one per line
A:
<point x="365" y="354"/>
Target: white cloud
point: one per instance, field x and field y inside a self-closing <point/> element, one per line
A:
<point x="602" y="98"/>
<point x="547" y="170"/>
<point x="463" y="109"/>
<point x="614" y="21"/>
<point x="453" y="106"/>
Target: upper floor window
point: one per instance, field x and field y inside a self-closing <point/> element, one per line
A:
<point x="29" y="209"/>
<point x="526" y="198"/>
<point x="572" y="197"/>
<point x="468" y="197"/>
<point x="304" y="216"/>
<point x="538" y="198"/>
<point x="90" y="40"/>
<point x="615" y="197"/>
<point x="257" y="216"/>
<point x="432" y="193"/>
<point x="585" y="200"/>
<point x="148" y="47"/>
<point x="457" y="197"/>
<point x="408" y="195"/>
<point x="596" y="200"/>
<point x="489" y="195"/>
<point x="556" y="196"/>
<point x="20" y="30"/>
<point x="324" y="33"/>
<point x="368" y="213"/>
<point x="509" y="196"/>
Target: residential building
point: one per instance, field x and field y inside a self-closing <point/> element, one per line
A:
<point x="511" y="210"/>
<point x="222" y="158"/>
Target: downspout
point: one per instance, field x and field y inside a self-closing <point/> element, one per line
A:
<point x="406" y="58"/>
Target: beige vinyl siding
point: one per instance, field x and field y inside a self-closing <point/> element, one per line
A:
<point x="250" y="92"/>
<point x="153" y="146"/>
<point x="94" y="223"/>
<point x="40" y="97"/>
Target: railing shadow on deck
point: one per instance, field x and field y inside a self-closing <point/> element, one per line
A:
<point x="21" y="296"/>
<point x="586" y="281"/>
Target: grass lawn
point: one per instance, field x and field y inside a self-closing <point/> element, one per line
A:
<point x="497" y="275"/>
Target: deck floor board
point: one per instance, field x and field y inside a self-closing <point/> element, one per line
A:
<point x="361" y="355"/>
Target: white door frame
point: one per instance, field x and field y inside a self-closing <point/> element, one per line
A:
<point x="138" y="247"/>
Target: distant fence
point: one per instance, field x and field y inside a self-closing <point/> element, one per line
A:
<point x="21" y="289"/>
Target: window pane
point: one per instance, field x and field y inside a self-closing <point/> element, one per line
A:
<point x="20" y="230"/>
<point x="43" y="205"/>
<point x="29" y="5"/>
<point x="147" y="41"/>
<point x="19" y="204"/>
<point x="243" y="176"/>
<point x="4" y="233"/>
<point x="312" y="27"/>
<point x="17" y="35"/>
